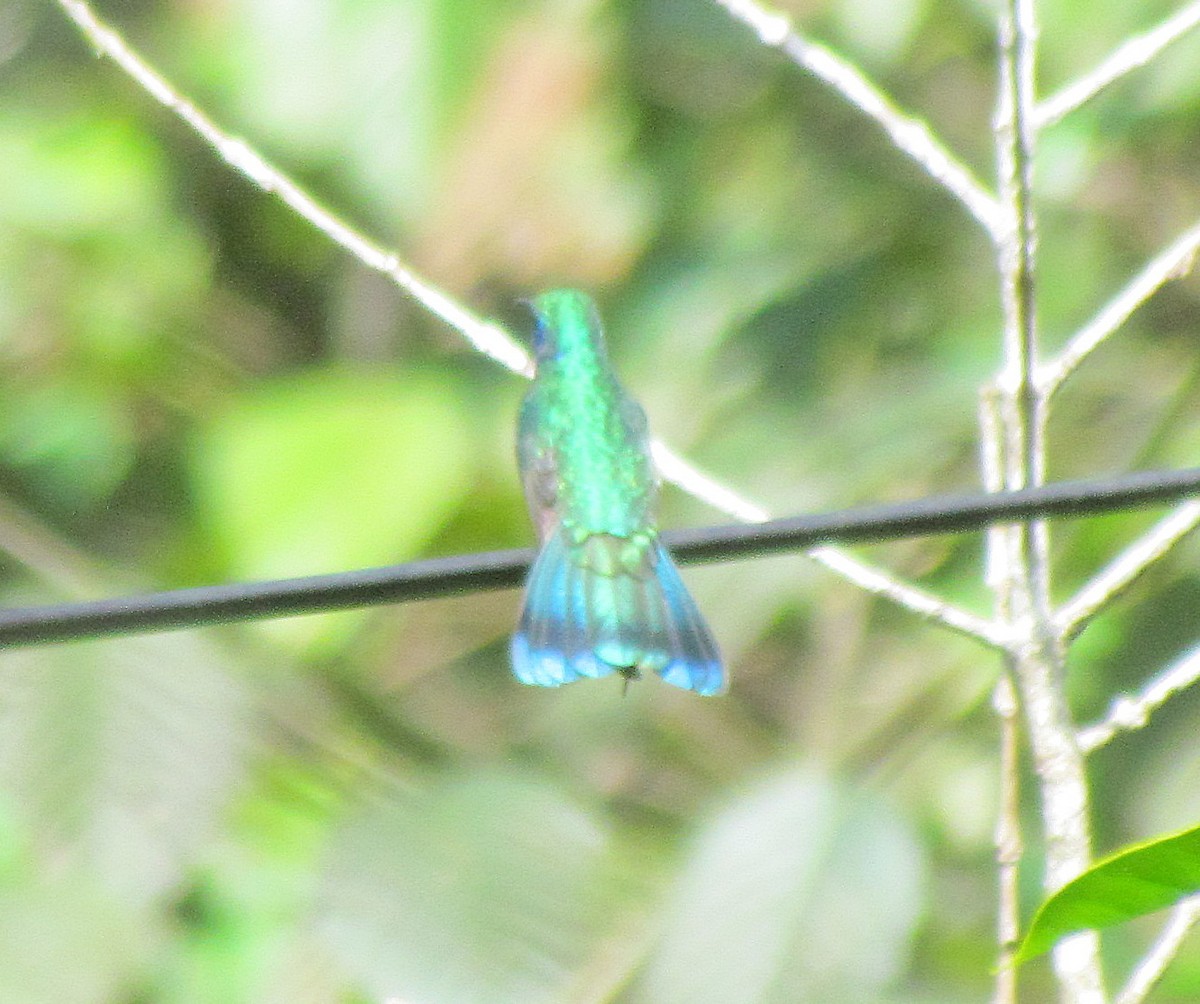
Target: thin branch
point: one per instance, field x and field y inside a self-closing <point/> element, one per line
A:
<point x="502" y="569"/>
<point x="1019" y="403"/>
<point x="1009" y="846"/>
<point x="1128" y="713"/>
<point x="936" y="514"/>
<point x="1036" y="660"/>
<point x="854" y="570"/>
<point x="487" y="337"/>
<point x="947" y="514"/>
<point x="1136" y="52"/>
<point x="1150" y="970"/>
<point x="909" y="134"/>
<point x="918" y="601"/>
<point x="991" y="471"/>
<point x="1126" y="568"/>
<point x="695" y="482"/>
<point x="1175" y="262"/>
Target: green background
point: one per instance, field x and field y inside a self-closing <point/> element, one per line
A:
<point x="196" y="387"/>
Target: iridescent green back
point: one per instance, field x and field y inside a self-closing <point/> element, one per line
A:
<point x="603" y="595"/>
<point x="581" y="435"/>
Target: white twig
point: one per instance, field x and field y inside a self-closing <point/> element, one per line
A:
<point x="1009" y="846"/>
<point x="860" y="573"/>
<point x="1174" y="262"/>
<point x="908" y="133"/>
<point x="1129" y="713"/>
<point x="913" y="599"/>
<point x="1036" y="661"/>
<point x="1132" y="54"/>
<point x="1120" y="573"/>
<point x="486" y="337"/>
<point x="1166" y="946"/>
<point x="695" y="482"/>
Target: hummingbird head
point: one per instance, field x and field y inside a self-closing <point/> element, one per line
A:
<point x="568" y="324"/>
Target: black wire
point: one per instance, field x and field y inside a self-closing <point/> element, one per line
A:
<point x="467" y="573"/>
<point x="936" y="514"/>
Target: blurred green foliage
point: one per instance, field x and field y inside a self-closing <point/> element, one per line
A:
<point x="366" y="806"/>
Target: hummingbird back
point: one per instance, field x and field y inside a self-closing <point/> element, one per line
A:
<point x="603" y="595"/>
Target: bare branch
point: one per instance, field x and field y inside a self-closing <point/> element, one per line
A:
<point x="695" y="482"/>
<point x="1131" y="55"/>
<point x="907" y="133"/>
<point x="1175" y="262"/>
<point x="925" y="605"/>
<point x="1022" y="564"/>
<point x="874" y="580"/>
<point x="27" y="541"/>
<point x="487" y="337"/>
<point x="1130" y="713"/>
<point x="1009" y="847"/>
<point x="1150" y="970"/>
<point x="1126" y="568"/>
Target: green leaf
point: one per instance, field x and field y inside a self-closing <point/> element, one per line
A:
<point x="76" y="174"/>
<point x="489" y="888"/>
<point x="331" y="470"/>
<point x="333" y="54"/>
<point x="70" y="435"/>
<point x="1133" y="882"/>
<point x="880" y="29"/>
<point x="802" y="890"/>
<point x="328" y="471"/>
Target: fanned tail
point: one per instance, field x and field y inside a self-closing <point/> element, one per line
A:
<point x="612" y="605"/>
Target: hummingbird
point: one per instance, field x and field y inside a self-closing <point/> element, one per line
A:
<point x="603" y="595"/>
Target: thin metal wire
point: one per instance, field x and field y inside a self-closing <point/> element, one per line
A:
<point x="468" y="573"/>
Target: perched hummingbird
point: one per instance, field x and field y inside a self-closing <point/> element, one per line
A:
<point x="603" y="595"/>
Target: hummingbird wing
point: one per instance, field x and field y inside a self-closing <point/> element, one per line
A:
<point x="539" y="469"/>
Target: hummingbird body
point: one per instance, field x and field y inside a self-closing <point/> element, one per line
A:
<point x="603" y="595"/>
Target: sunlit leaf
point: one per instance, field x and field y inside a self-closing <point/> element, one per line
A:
<point x="801" y="890"/>
<point x="1133" y="882"/>
<point x="76" y="175"/>
<point x="331" y="471"/>
<point x="485" y="889"/>
<point x="299" y="73"/>
<point x="881" y="29"/>
<point x="68" y="436"/>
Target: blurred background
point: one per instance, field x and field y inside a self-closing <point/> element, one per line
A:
<point x="199" y="388"/>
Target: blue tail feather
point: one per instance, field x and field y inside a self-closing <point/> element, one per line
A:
<point x="695" y="664"/>
<point x="580" y="620"/>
